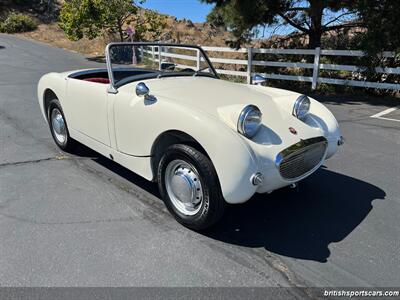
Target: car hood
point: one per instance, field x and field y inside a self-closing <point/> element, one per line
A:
<point x="225" y="100"/>
<point x="206" y="93"/>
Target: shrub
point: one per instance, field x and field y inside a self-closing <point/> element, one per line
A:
<point x="17" y="23"/>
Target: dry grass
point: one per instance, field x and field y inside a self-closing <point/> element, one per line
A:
<point x="53" y="35"/>
<point x="183" y="32"/>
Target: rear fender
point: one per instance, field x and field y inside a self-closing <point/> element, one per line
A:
<point x="55" y="82"/>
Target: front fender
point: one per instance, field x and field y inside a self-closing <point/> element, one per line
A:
<point x="138" y="123"/>
<point x="320" y="116"/>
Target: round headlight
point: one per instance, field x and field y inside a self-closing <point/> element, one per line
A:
<point x="301" y="107"/>
<point x="249" y="121"/>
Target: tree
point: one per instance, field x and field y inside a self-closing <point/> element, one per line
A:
<point x="217" y="17"/>
<point x="89" y="18"/>
<point x="148" y="25"/>
<point x="79" y="18"/>
<point x="312" y="17"/>
<point x="45" y="9"/>
<point x="382" y="23"/>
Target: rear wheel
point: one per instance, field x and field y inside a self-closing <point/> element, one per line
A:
<point x="190" y="188"/>
<point x="58" y="126"/>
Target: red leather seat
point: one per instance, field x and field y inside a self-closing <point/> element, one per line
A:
<point x="98" y="80"/>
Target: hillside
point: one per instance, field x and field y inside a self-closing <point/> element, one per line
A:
<point x="176" y="31"/>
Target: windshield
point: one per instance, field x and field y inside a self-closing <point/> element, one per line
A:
<point x="127" y="62"/>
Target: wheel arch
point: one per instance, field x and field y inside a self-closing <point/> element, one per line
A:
<point x="48" y="95"/>
<point x="234" y="167"/>
<point x="168" y="138"/>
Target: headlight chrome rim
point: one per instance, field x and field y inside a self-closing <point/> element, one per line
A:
<point x="245" y="113"/>
<point x="299" y="106"/>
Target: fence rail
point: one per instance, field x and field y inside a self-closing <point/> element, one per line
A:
<point x="316" y="66"/>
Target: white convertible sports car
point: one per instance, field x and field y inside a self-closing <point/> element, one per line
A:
<point x="161" y="111"/>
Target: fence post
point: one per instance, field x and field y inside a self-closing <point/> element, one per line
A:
<point x="249" y="64"/>
<point x="152" y="53"/>
<point x="316" y="68"/>
<point x="198" y="59"/>
<point x="159" y="57"/>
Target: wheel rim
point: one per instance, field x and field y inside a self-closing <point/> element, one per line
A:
<point x="58" y="126"/>
<point x="184" y="187"/>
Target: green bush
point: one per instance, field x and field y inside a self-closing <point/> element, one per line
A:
<point x="17" y="23"/>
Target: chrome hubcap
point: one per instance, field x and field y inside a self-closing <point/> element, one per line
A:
<point x="58" y="124"/>
<point x="184" y="187"/>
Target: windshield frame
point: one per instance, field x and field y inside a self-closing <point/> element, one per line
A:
<point x="114" y="86"/>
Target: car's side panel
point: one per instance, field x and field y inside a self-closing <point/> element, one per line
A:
<point x="138" y="123"/>
<point x="87" y="109"/>
<point x="57" y="83"/>
<point x="139" y="165"/>
<point x="111" y="122"/>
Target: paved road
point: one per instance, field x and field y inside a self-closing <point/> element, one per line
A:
<point x="85" y="221"/>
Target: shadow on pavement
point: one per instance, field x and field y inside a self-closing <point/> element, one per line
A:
<point x="144" y="184"/>
<point x="326" y="209"/>
<point x="2" y="47"/>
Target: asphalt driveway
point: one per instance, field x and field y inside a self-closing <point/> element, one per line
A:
<point x="82" y="220"/>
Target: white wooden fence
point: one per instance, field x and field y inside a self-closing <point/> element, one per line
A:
<point x="316" y="66"/>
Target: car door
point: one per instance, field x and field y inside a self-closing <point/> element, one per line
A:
<point x="87" y="106"/>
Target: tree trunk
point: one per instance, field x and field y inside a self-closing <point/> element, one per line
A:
<point x="316" y="10"/>
<point x="121" y="34"/>
<point x="314" y="39"/>
<point x="120" y="31"/>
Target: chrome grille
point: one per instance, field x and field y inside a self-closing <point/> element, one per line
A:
<point x="301" y="158"/>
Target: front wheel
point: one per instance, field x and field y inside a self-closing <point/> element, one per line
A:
<point x="58" y="126"/>
<point x="190" y="187"/>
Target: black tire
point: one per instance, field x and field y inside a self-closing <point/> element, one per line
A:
<point x="213" y="203"/>
<point x="69" y="144"/>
